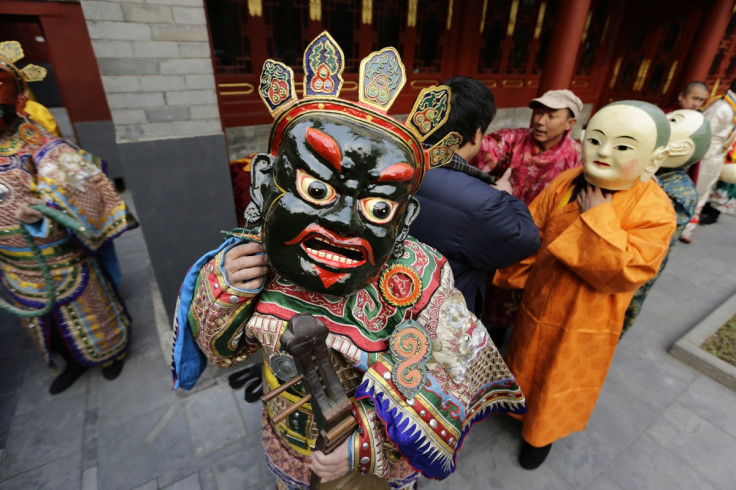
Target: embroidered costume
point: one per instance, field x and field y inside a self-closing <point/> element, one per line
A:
<point x="721" y="115"/>
<point x="465" y="380"/>
<point x="723" y="197"/>
<point x="690" y="138"/>
<point x="335" y="199"/>
<point x="89" y="313"/>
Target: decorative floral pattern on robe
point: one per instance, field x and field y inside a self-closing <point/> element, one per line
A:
<point x="92" y="318"/>
<point x="422" y="424"/>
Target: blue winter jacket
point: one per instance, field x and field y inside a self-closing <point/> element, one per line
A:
<point x="476" y="226"/>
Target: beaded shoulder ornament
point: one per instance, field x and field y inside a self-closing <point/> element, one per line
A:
<point x="382" y="76"/>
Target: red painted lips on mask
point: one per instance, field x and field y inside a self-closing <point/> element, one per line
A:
<point x="333" y="251"/>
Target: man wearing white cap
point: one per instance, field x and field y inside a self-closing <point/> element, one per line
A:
<point x="536" y="154"/>
<point x="529" y="158"/>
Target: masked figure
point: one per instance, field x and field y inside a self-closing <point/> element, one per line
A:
<point x="721" y="114"/>
<point x="689" y="140"/>
<point x="605" y="229"/>
<point x="334" y="197"/>
<point x="88" y="325"/>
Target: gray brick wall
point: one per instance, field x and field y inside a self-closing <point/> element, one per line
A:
<point x="154" y="58"/>
<point x="245" y="140"/>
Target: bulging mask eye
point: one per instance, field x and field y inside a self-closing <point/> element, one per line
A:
<point x="378" y="210"/>
<point x="593" y="141"/>
<point x="314" y="190"/>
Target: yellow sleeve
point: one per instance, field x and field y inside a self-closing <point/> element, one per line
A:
<point x="42" y="116"/>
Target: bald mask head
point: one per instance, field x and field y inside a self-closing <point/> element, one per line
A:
<point x="625" y="143"/>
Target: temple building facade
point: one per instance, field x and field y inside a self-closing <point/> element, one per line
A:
<point x="166" y="90"/>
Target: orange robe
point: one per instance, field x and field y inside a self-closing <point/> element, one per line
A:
<point x="576" y="290"/>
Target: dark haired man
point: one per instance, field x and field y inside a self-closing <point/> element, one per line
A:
<point x="692" y="97"/>
<point x="530" y="158"/>
<point x="476" y="226"/>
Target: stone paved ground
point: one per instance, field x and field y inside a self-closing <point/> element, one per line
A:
<point x="658" y="424"/>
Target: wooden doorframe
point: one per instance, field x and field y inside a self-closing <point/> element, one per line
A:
<point x="71" y="56"/>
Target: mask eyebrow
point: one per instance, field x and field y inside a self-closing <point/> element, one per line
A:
<point x="325" y="146"/>
<point x="400" y="172"/>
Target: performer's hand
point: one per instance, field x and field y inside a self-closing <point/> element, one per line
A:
<point x="591" y="197"/>
<point x="25" y="214"/>
<point x="503" y="183"/>
<point x="245" y="265"/>
<point x="331" y="466"/>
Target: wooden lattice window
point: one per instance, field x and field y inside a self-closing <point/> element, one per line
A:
<point x="514" y="34"/>
<point x="286" y="31"/>
<point x="595" y="33"/>
<point x="341" y="18"/>
<point x="648" y="56"/>
<point x="389" y="24"/>
<point x="228" y="20"/>
<point x="431" y="21"/>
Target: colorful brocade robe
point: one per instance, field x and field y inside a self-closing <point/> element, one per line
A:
<point x="406" y="424"/>
<point x="88" y="313"/>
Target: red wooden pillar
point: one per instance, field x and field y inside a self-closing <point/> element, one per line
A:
<point x="706" y="44"/>
<point x="559" y="66"/>
<point x="256" y="30"/>
<point x="75" y="65"/>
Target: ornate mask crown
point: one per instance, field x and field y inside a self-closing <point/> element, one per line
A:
<point x="382" y="76"/>
<point x="10" y="52"/>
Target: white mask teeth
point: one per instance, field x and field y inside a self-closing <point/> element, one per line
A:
<point x="354" y="249"/>
<point x="332" y="256"/>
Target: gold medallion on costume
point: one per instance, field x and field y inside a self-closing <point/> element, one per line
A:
<point x="9" y="146"/>
<point x="29" y="133"/>
<point x="400" y="285"/>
